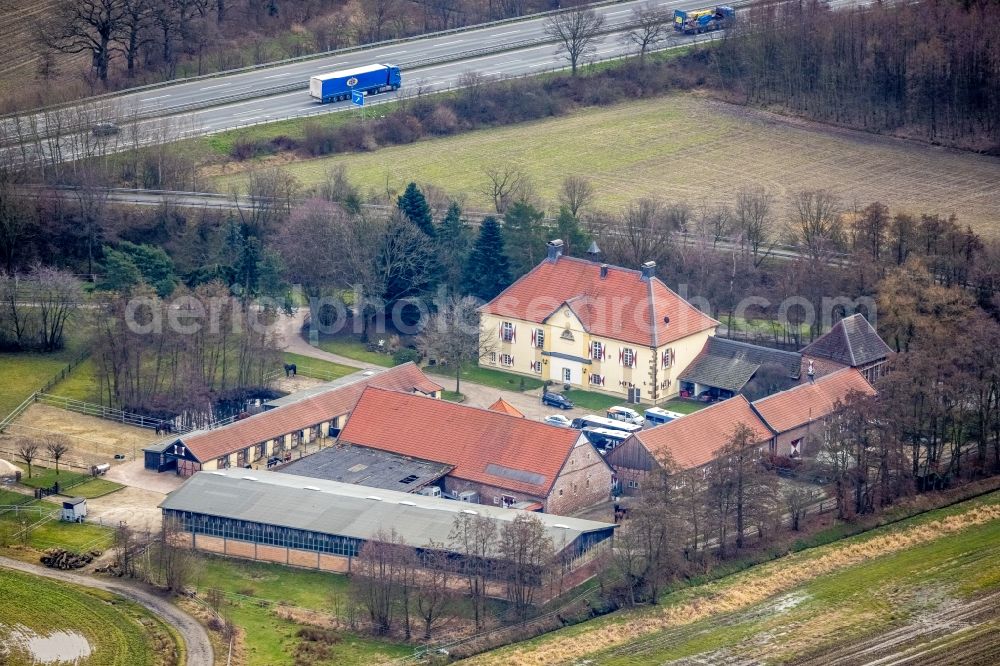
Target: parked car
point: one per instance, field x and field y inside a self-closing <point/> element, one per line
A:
<point x="558" y="420"/>
<point x="105" y="129"/>
<point x="556" y="400"/>
<point x="626" y="414"/>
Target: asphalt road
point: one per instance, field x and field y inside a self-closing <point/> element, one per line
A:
<point x="199" y="648"/>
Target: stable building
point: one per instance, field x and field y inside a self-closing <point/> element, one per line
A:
<point x="286" y="424"/>
<point x="796" y="414"/>
<point x="496" y="458"/>
<point x="688" y="442"/>
<point x="588" y="325"/>
<point x="319" y="524"/>
<point x="727" y="367"/>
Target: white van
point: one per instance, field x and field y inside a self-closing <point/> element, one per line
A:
<point x="658" y="416"/>
<point x="626" y="414"/>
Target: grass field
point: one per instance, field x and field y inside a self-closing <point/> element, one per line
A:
<point x="81" y="384"/>
<point x="900" y="578"/>
<point x="318" y="368"/>
<point x="686" y="148"/>
<point x="52" y="534"/>
<point x="21" y="374"/>
<point x="354" y="349"/>
<point x="261" y="598"/>
<point x="117" y="632"/>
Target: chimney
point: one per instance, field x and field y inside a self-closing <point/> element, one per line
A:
<point x="810" y="372"/>
<point x="555" y="249"/>
<point x="604" y="271"/>
<point x="594" y="252"/>
<point x="649" y="270"/>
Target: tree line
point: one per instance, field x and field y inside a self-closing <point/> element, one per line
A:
<point x="927" y="69"/>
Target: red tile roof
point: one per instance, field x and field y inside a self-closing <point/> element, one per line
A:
<point x="692" y="440"/>
<point x="621" y="306"/>
<point x="210" y="444"/>
<point x="505" y="407"/>
<point x="485" y="447"/>
<point x="807" y="402"/>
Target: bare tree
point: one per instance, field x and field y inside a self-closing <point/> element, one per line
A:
<point x="576" y="32"/>
<point x="753" y="222"/>
<point x="526" y="552"/>
<point x="57" y="446"/>
<point x="268" y="199"/>
<point x="133" y="32"/>
<point x="643" y="233"/>
<point x="433" y="595"/>
<point x="650" y="26"/>
<point x="817" y="223"/>
<point x="178" y="563"/>
<point x="504" y="183"/>
<point x="27" y="451"/>
<point x="576" y="193"/>
<point x="378" y="578"/>
<point x="80" y="26"/>
<point x="452" y="336"/>
<point x="58" y="295"/>
<point x="14" y="223"/>
<point x="475" y="538"/>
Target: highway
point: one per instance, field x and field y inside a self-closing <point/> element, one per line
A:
<point x="211" y="104"/>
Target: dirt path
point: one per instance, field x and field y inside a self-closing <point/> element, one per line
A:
<point x="199" y="648"/>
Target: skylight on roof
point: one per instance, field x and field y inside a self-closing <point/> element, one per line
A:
<point x="561" y="526"/>
<point x="374" y="497"/>
<point x="470" y="512"/>
<point x="249" y="478"/>
<point x="309" y="488"/>
<point x="406" y="503"/>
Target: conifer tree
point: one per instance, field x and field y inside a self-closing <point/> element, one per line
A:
<point x="415" y="207"/>
<point x="487" y="271"/>
<point x="453" y="241"/>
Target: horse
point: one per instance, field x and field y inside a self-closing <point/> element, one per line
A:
<point x="290" y="370"/>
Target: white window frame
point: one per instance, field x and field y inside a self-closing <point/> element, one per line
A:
<point x="493" y="358"/>
<point x="506" y="331"/>
<point x="506" y="360"/>
<point x="567" y="376"/>
<point x="596" y="350"/>
<point x="539" y="338"/>
<point x="595" y="379"/>
<point x="628" y="357"/>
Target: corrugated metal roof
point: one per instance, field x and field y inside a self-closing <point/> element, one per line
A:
<point x="343" y="509"/>
<point x="367" y="467"/>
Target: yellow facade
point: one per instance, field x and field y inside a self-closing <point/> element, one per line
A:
<point x="566" y="355"/>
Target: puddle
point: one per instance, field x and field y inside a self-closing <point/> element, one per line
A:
<point x="58" y="647"/>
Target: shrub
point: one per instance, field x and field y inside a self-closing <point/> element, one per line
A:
<point x="245" y="148"/>
<point x="442" y="120"/>
<point x="399" y="127"/>
<point x="405" y="355"/>
<point x="318" y="140"/>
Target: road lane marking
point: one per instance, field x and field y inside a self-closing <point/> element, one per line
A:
<point x="274" y="76"/>
<point x="501" y="34"/>
<point x="461" y="41"/>
<point x="150" y="99"/>
<point x="221" y="85"/>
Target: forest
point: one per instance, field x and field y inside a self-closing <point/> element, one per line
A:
<point x="929" y="69"/>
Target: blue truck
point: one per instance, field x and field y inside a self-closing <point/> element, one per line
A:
<point x="371" y="79"/>
<point x="693" y="22"/>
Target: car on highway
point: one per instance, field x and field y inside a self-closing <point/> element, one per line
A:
<point x="105" y="129"/>
<point x="557" y="400"/>
<point x="558" y="420"/>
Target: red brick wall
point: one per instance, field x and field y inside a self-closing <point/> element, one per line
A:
<point x="585" y="480"/>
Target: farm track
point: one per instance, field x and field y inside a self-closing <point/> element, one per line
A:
<point x="199" y="648"/>
<point x="951" y="635"/>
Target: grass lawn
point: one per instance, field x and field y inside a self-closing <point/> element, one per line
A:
<point x="684" y="406"/>
<point x="96" y="487"/>
<point x="806" y="603"/>
<point x="452" y="396"/>
<point x="686" y="148"/>
<point x="486" y="376"/>
<point x="318" y="368"/>
<point x="44" y="477"/>
<point x="595" y="402"/>
<point x="119" y="632"/>
<point x="354" y="349"/>
<point x="255" y="593"/>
